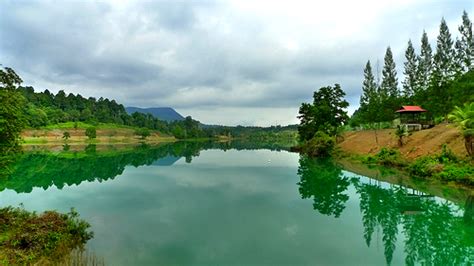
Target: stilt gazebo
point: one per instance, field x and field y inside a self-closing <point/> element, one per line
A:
<point x="414" y="117"/>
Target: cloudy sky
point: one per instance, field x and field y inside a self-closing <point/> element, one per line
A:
<point x="223" y="62"/>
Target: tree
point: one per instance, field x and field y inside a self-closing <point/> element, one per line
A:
<point x="401" y="131"/>
<point x="369" y="100"/>
<point x="11" y="118"/>
<point x="443" y="71"/>
<point x="464" y="118"/>
<point x="389" y="86"/>
<point x="91" y="132"/>
<point x="467" y="42"/>
<point x="326" y="113"/>
<point x="410" y="85"/>
<point x="425" y="65"/>
<point x="66" y="135"/>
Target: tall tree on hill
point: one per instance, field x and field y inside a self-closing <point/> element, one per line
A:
<point x="443" y="72"/>
<point x="458" y="59"/>
<point x="410" y="84"/>
<point x="425" y="66"/>
<point x="389" y="87"/>
<point x="467" y="42"/>
<point x="370" y="106"/>
<point x="369" y="98"/>
<point x="326" y="113"/>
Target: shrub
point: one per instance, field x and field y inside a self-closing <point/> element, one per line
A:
<point x="386" y="156"/>
<point x="459" y="173"/>
<point x="321" y="145"/>
<point x="143" y="132"/>
<point x="29" y="238"/>
<point x="425" y="167"/>
<point x="66" y="135"/>
<point x="91" y="132"/>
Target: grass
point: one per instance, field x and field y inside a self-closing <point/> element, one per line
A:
<point x="82" y="125"/>
<point x="28" y="238"/>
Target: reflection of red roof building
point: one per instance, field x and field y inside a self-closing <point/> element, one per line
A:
<point x="411" y="108"/>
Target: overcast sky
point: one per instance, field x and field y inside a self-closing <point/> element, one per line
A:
<point x="222" y="62"/>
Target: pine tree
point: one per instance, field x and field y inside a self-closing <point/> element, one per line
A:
<point x="443" y="58"/>
<point x="459" y="59"/>
<point x="389" y="87"/>
<point x="425" y="65"/>
<point x="410" y="84"/>
<point x="443" y="71"/>
<point x="369" y="99"/>
<point x="467" y="42"/>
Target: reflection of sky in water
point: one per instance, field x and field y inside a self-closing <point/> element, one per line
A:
<point x="232" y="207"/>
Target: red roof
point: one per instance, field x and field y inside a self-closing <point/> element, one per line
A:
<point x="411" y="108"/>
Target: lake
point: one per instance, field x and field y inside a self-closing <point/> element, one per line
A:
<point x="202" y="203"/>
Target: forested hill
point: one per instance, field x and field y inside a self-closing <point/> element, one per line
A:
<point x="40" y="109"/>
<point x="163" y="113"/>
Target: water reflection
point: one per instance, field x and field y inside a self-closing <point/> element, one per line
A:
<point x="323" y="181"/>
<point x="45" y="169"/>
<point x="434" y="232"/>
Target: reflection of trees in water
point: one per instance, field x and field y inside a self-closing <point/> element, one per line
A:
<point x="379" y="207"/>
<point x="323" y="181"/>
<point x="25" y="171"/>
<point x="433" y="233"/>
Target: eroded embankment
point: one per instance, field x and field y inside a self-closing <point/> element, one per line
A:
<point x="419" y="143"/>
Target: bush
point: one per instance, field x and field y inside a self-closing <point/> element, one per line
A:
<point x="458" y="173"/>
<point x="425" y="167"/>
<point x="91" y="132"/>
<point x="386" y="156"/>
<point x="29" y="238"/>
<point x="321" y="145"/>
<point x="143" y="132"/>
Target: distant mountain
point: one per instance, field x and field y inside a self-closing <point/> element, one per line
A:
<point x="162" y="113"/>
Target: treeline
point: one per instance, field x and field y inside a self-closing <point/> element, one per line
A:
<point x="436" y="80"/>
<point x="45" y="108"/>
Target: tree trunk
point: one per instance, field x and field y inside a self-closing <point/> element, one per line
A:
<point x="376" y="136"/>
<point x="468" y="145"/>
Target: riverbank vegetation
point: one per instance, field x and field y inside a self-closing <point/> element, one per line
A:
<point x="28" y="238"/>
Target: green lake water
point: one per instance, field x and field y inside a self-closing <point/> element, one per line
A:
<point x="239" y="204"/>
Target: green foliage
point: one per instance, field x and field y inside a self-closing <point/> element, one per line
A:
<point x="11" y="115"/>
<point x="388" y="90"/>
<point x="401" y="131"/>
<point x="410" y="85"/>
<point x="325" y="114"/>
<point x="66" y="135"/>
<point x="387" y="157"/>
<point x="464" y="118"/>
<point x="321" y="145"/>
<point x="445" y="166"/>
<point x="142" y="132"/>
<point x="27" y="238"/>
<point x="91" y="132"/>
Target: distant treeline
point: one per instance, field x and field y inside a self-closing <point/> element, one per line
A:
<point x="437" y="80"/>
<point x="45" y="108"/>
